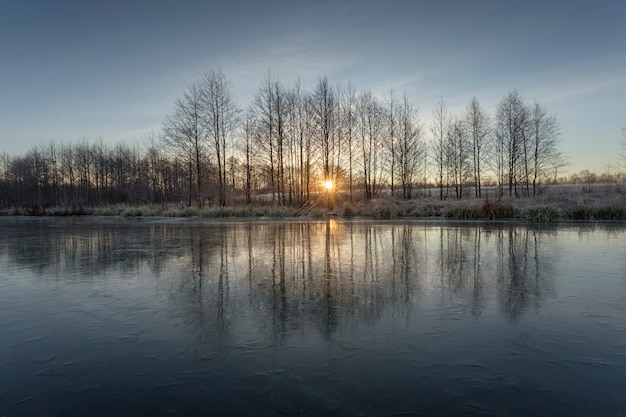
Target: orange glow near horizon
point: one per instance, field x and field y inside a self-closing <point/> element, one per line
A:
<point x="329" y="185"/>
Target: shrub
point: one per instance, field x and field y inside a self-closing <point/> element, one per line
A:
<point x="105" y="211"/>
<point x="610" y="213"/>
<point x="258" y="212"/>
<point x="131" y="212"/>
<point x="497" y="209"/>
<point x="58" y="211"/>
<point x="82" y="211"/>
<point x="240" y="212"/>
<point x="214" y="212"/>
<point x="424" y="211"/>
<point x="418" y="212"/>
<point x="543" y="214"/>
<point x="317" y="213"/>
<point x="278" y="213"/>
<point x="384" y="212"/>
<point x="187" y="212"/>
<point x="464" y="213"/>
<point x="580" y="213"/>
<point x="139" y="212"/>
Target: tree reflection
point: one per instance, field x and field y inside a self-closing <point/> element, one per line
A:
<point x="199" y="288"/>
<point x="516" y="271"/>
<point x="522" y="284"/>
<point x="272" y="280"/>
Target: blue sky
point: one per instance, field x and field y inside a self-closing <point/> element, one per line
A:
<point x="73" y="70"/>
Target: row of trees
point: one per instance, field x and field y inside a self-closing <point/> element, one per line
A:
<point x="519" y="148"/>
<point x="88" y="174"/>
<point x="288" y="141"/>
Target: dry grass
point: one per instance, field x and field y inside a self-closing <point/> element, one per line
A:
<point x="566" y="202"/>
<point x="552" y="204"/>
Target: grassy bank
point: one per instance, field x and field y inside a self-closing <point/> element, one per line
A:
<point x="557" y="204"/>
<point x="489" y="209"/>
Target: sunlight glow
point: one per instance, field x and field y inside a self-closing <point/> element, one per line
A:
<point x="329" y="185"/>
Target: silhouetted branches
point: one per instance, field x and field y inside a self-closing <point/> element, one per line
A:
<point x="288" y="143"/>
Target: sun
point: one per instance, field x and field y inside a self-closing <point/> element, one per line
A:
<point x="329" y="185"/>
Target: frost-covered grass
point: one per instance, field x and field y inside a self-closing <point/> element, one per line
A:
<point x="153" y="211"/>
<point x="465" y="212"/>
<point x="610" y="213"/>
<point x="568" y="202"/>
<point x="49" y="211"/>
<point x="550" y="205"/>
<point x="542" y="214"/>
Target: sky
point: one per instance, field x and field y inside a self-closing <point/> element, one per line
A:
<point x="111" y="70"/>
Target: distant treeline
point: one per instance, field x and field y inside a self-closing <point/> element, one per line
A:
<point x="290" y="140"/>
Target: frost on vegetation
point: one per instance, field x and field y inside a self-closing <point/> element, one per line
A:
<point x="542" y="214"/>
<point x="497" y="209"/>
<point x="464" y="212"/>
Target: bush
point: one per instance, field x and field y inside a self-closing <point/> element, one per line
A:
<point x="139" y="212"/>
<point x="424" y="211"/>
<point x="384" y="212"/>
<point x="496" y="209"/>
<point x="417" y="212"/>
<point x="580" y="213"/>
<point x="216" y="212"/>
<point x="187" y="212"/>
<point x="278" y="213"/>
<point x="58" y="211"/>
<point x="317" y="213"/>
<point x="610" y="213"/>
<point x="543" y="214"/>
<point x="257" y="212"/>
<point x="105" y="211"/>
<point x="131" y="212"/>
<point x="464" y="213"/>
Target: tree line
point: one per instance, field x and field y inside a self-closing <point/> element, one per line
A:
<point x="287" y="142"/>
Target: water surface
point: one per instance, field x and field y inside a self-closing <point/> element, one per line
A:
<point x="156" y="317"/>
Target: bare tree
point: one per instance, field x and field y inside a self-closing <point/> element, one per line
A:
<point x="264" y="114"/>
<point x="184" y="132"/>
<point x="280" y="102"/>
<point x="371" y="123"/>
<point x="458" y="155"/>
<point x="348" y="116"/>
<point x="290" y="138"/>
<point x="246" y="145"/>
<point x="300" y="144"/>
<point x="220" y="119"/>
<point x="156" y="172"/>
<point x="512" y="117"/>
<point x="391" y="115"/>
<point x="67" y="173"/>
<point x="323" y="103"/>
<point x="410" y="146"/>
<point x="478" y="125"/>
<point x="5" y="164"/>
<point x="84" y="168"/>
<point x="5" y="180"/>
<point x="498" y="158"/>
<point x="439" y="129"/>
<point x="545" y="133"/>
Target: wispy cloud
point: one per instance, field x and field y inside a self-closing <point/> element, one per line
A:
<point x="297" y="57"/>
<point x="577" y="89"/>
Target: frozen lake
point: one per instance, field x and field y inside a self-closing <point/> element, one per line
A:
<point x="171" y="317"/>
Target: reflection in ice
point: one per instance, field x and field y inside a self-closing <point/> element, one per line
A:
<point x="323" y="317"/>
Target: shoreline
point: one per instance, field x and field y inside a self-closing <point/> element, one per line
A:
<point x="534" y="210"/>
